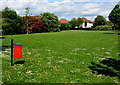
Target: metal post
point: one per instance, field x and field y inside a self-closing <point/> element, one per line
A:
<point x="12" y="52"/>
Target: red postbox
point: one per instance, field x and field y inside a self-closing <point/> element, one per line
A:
<point x="17" y="53"/>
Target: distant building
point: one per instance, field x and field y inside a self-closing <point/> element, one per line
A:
<point x="89" y="23"/>
<point x="63" y="20"/>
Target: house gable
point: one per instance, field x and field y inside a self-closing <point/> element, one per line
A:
<point x="63" y="21"/>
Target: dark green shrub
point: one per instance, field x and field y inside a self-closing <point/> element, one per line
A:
<point x="65" y="26"/>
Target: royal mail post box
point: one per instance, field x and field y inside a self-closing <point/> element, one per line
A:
<point x="17" y="53"/>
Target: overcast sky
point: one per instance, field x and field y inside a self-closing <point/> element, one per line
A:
<point x="63" y="8"/>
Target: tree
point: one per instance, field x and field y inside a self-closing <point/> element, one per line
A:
<point x="27" y="20"/>
<point x="65" y="26"/>
<point x="0" y="22"/>
<point x="85" y="23"/>
<point x="37" y="26"/>
<point x="50" y="21"/>
<point x="79" y="22"/>
<point x="99" y="20"/>
<point x="114" y="17"/>
<point x="73" y="23"/>
<point x="11" y="22"/>
<point x="27" y="10"/>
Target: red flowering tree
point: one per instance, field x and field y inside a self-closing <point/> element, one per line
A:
<point x="36" y="26"/>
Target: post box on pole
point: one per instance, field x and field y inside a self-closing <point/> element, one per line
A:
<point x="17" y="50"/>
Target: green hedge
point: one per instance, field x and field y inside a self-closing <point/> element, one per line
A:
<point x="103" y="27"/>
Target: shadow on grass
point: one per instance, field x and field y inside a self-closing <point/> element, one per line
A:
<point x="109" y="66"/>
<point x="20" y="62"/>
<point x="2" y="37"/>
<point x="3" y="47"/>
<point x="112" y="33"/>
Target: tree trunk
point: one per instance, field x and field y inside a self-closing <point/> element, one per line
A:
<point x="27" y="29"/>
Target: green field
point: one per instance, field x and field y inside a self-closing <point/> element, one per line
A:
<point x="60" y="57"/>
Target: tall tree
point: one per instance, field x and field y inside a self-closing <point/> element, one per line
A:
<point x="85" y="23"/>
<point x="79" y="22"/>
<point x="50" y="21"/>
<point x="114" y="17"/>
<point x="11" y="22"/>
<point x="27" y="10"/>
<point x="0" y="22"/>
<point x="37" y="26"/>
<point x="99" y="20"/>
<point x="73" y="23"/>
<point x="27" y="19"/>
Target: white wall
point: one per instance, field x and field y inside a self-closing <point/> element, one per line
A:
<point x="88" y="25"/>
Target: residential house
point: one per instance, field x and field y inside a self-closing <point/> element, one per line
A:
<point x="63" y="20"/>
<point x="89" y="23"/>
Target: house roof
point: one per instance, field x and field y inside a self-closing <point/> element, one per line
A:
<point x="63" y="20"/>
<point x="84" y="19"/>
<point x="34" y="17"/>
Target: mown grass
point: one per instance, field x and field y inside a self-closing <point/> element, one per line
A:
<point x="61" y="57"/>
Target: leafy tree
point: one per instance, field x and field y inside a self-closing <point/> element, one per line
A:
<point x="99" y="20"/>
<point x="114" y="17"/>
<point x="0" y="22"/>
<point x="27" y="10"/>
<point x="11" y="22"/>
<point x="37" y="26"/>
<point x="0" y="14"/>
<point x="65" y="26"/>
<point x="85" y="23"/>
<point x="73" y="23"/>
<point x="50" y="21"/>
<point x="27" y="19"/>
<point x="79" y="22"/>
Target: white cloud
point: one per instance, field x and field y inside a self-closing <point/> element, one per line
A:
<point x="91" y="11"/>
<point x="66" y="8"/>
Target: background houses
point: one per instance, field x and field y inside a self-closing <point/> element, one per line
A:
<point x="63" y="20"/>
<point x="89" y="23"/>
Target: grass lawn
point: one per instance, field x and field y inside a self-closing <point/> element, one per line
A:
<point x="61" y="57"/>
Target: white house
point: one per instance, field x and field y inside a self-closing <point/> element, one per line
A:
<point x="89" y="23"/>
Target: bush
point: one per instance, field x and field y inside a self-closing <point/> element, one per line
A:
<point x="103" y="27"/>
<point x="50" y="21"/>
<point x="53" y="30"/>
<point x="90" y="28"/>
<point x="65" y="26"/>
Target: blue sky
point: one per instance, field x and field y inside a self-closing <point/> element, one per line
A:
<point x="63" y="8"/>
